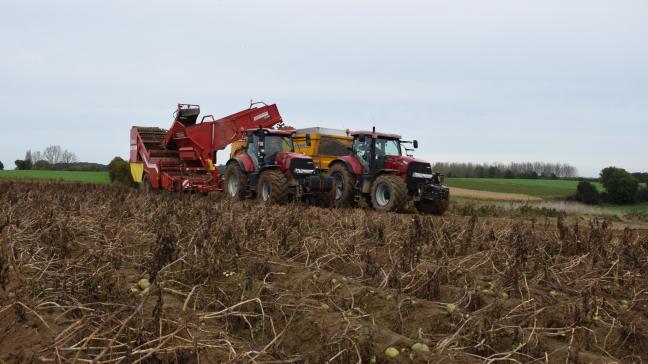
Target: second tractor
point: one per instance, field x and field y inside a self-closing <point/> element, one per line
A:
<point x="375" y="167"/>
<point x="266" y="166"/>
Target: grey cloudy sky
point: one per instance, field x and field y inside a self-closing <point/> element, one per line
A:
<point x="481" y="81"/>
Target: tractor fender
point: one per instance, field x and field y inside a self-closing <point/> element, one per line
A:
<point x="366" y="186"/>
<point x="396" y="172"/>
<point x="368" y="182"/>
<point x="387" y="171"/>
<point x="269" y="167"/>
<point x="244" y="161"/>
<point x="350" y="162"/>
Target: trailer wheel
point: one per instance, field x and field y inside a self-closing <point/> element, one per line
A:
<point x="343" y="185"/>
<point x="273" y="187"/>
<point x="236" y="182"/>
<point x="388" y="193"/>
<point x="434" y="207"/>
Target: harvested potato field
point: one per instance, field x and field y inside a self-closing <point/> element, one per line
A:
<point x="102" y="274"/>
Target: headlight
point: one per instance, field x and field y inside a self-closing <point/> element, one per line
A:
<point x="303" y="171"/>
<point x="421" y="175"/>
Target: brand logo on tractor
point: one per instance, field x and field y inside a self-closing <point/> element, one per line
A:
<point x="263" y="115"/>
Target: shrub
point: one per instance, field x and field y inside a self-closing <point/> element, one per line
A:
<point x="119" y="171"/>
<point x="641" y="176"/>
<point x="620" y="185"/>
<point x="642" y="194"/>
<point x="587" y="193"/>
<point x="23" y="164"/>
<point x="1" y="166"/>
<point x="42" y="165"/>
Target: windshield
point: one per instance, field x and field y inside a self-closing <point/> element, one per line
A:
<point x="387" y="147"/>
<point x="277" y="143"/>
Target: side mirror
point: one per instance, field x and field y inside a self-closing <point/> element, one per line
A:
<point x="308" y="140"/>
<point x="415" y="144"/>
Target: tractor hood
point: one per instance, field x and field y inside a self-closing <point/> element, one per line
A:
<point x="296" y="163"/>
<point x="401" y="162"/>
<point x="287" y="156"/>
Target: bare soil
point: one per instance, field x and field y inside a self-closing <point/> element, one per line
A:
<point x="494" y="196"/>
<point x="241" y="282"/>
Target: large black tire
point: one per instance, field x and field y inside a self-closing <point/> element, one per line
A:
<point x="272" y="187"/>
<point x="344" y="184"/>
<point x="388" y="193"/>
<point x="236" y="182"/>
<point x="433" y="207"/>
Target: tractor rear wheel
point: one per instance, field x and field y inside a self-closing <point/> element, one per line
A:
<point x="343" y="185"/>
<point x="388" y="193"/>
<point x="236" y="182"/>
<point x="434" y="207"/>
<point x="273" y="187"/>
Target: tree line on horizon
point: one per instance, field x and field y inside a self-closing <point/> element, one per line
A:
<point x="55" y="158"/>
<point x="522" y="170"/>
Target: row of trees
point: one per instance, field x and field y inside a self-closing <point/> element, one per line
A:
<point x="47" y="159"/>
<point x="620" y="186"/>
<point x="640" y="176"/>
<point x="530" y="170"/>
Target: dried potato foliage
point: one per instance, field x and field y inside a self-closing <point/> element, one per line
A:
<point x="242" y="282"/>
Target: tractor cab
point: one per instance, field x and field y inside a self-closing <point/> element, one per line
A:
<point x="374" y="149"/>
<point x="264" y="144"/>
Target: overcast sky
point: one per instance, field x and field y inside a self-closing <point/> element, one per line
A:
<point x="480" y="81"/>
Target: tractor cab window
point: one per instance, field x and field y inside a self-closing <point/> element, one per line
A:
<point x="362" y="150"/>
<point x="253" y="150"/>
<point x="387" y="147"/>
<point x="277" y="143"/>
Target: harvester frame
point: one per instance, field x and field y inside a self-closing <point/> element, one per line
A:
<point x="183" y="158"/>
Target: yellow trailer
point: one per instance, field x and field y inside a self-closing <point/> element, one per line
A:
<point x="325" y="144"/>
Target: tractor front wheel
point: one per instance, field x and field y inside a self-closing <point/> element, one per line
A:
<point x="273" y="187"/>
<point x="343" y="185"/>
<point x="434" y="207"/>
<point x="236" y="182"/>
<point x="388" y="193"/>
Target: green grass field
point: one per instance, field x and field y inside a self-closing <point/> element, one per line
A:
<point x="89" y="177"/>
<point x="534" y="187"/>
<point x="546" y="189"/>
<point x="637" y="208"/>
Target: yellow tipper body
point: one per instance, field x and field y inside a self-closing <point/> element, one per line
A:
<point x="326" y="144"/>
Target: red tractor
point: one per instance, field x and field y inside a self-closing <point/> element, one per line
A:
<point x="269" y="169"/>
<point x="379" y="171"/>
